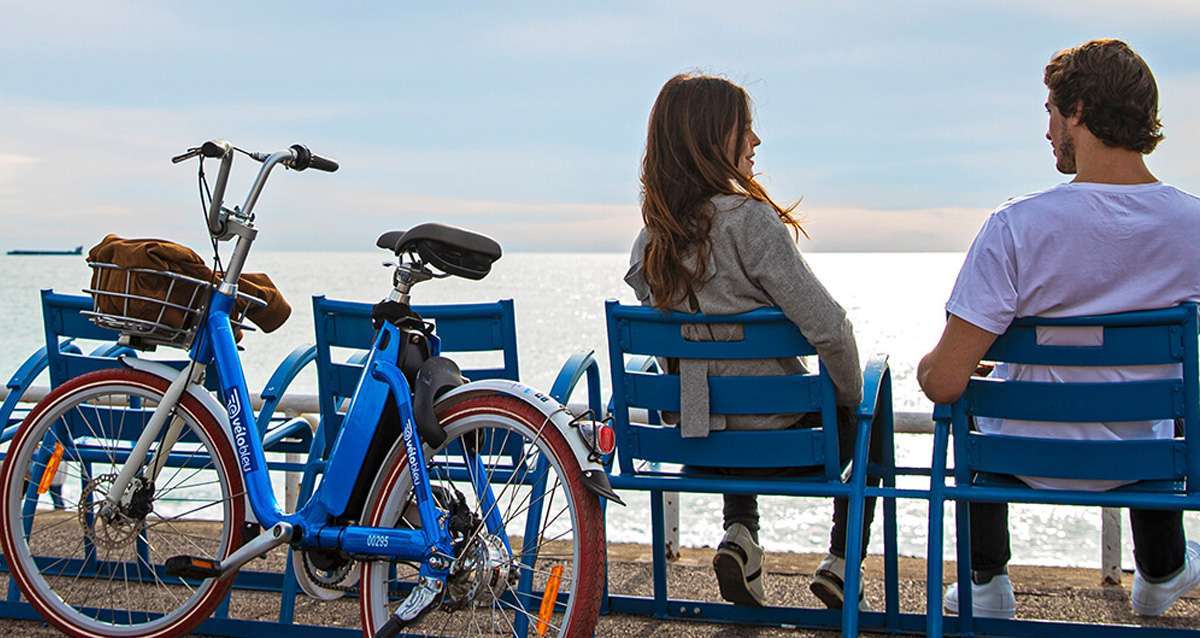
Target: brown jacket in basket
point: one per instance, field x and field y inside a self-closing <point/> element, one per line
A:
<point x="159" y="254"/>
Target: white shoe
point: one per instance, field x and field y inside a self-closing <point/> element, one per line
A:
<point x="740" y="568"/>
<point x="829" y="581"/>
<point x="1153" y="599"/>
<point x="993" y="600"/>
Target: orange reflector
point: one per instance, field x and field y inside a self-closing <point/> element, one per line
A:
<point x="51" y="469"/>
<point x="548" y="599"/>
<point x="203" y="564"/>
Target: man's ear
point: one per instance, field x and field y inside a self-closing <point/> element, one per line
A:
<point x="1076" y="116"/>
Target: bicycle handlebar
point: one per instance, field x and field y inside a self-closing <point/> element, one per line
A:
<point x="305" y="158"/>
<point x="297" y="157"/>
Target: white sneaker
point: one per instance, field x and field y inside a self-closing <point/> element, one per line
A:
<point x="1153" y="599"/>
<point x="993" y="600"/>
<point x="740" y="568"/>
<point x="829" y="581"/>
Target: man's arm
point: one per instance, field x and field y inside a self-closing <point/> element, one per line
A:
<point x="944" y="372"/>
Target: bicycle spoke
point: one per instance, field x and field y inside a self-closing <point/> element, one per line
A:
<point x="88" y="561"/>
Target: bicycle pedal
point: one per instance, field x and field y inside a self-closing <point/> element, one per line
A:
<point x="193" y="567"/>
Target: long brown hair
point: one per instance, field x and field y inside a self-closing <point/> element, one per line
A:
<point x="685" y="165"/>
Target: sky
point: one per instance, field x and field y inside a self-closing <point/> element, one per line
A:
<point x="897" y="125"/>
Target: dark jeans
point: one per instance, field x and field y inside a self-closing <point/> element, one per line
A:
<point x="743" y="508"/>
<point x="1159" y="545"/>
<point x="1158" y="540"/>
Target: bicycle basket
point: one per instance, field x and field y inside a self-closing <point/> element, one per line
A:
<point x="154" y="307"/>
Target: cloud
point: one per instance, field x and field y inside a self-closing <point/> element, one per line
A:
<point x="87" y="171"/>
<point x="12" y="160"/>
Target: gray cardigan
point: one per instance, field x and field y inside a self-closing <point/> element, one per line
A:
<point x="754" y="263"/>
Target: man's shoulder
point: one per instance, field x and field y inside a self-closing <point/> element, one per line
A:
<point x="1184" y="196"/>
<point x="1030" y="202"/>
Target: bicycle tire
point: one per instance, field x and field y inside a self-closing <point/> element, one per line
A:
<point x="577" y="619"/>
<point x="208" y="437"/>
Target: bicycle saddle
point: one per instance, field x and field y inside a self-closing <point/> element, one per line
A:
<point x="455" y="251"/>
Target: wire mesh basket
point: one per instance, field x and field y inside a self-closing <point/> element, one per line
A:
<point x="155" y="307"/>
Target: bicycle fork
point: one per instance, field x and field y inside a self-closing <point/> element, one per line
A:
<point x="192" y="374"/>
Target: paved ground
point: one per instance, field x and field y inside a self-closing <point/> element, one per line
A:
<point x="1042" y="592"/>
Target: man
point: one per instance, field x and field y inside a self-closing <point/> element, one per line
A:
<point x="1113" y="239"/>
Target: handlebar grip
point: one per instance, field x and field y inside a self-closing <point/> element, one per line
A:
<point x="323" y="164"/>
<point x="215" y="149"/>
<point x="304" y="158"/>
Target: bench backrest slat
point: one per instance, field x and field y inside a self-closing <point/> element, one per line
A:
<point x="1154" y="337"/>
<point x="476" y="327"/>
<point x="766" y="334"/>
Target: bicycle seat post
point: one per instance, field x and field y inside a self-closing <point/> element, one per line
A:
<point x="407" y="276"/>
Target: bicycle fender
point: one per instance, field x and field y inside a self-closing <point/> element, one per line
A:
<point x="435" y="377"/>
<point x="202" y="395"/>
<point x="594" y="475"/>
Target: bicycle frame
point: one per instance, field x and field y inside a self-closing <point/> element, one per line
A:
<point x="310" y="526"/>
<point x="216" y="344"/>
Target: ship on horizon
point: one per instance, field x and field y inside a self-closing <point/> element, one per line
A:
<point x="78" y="250"/>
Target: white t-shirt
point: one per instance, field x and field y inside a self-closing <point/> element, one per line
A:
<point x="1081" y="249"/>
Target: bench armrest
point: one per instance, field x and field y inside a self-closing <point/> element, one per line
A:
<point x="876" y="378"/>
<point x="297" y="427"/>
<point x="641" y="363"/>
<point x="577" y="366"/>
<point x="278" y="384"/>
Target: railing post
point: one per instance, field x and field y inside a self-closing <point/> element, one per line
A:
<point x="671" y="524"/>
<point x="1110" y="546"/>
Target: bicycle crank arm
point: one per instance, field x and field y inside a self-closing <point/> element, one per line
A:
<point x="201" y="568"/>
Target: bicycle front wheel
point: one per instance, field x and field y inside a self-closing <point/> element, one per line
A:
<point x="95" y="571"/>
<point x="528" y="535"/>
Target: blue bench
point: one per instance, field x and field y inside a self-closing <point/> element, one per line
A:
<point x="1166" y="471"/>
<point x="649" y="455"/>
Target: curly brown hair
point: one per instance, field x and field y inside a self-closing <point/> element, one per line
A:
<point x="685" y="165"/>
<point x="1113" y="88"/>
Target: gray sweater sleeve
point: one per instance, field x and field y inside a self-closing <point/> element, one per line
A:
<point x="773" y="262"/>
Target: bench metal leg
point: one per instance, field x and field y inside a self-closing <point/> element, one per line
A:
<point x="933" y="560"/>
<point x="966" y="603"/>
<point x="891" y="550"/>
<point x="659" y="551"/>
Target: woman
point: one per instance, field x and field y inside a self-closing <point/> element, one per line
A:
<point x="715" y="242"/>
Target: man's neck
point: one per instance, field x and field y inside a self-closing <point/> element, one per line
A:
<point x="1097" y="163"/>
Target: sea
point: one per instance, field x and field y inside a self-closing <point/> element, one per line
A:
<point x="895" y="300"/>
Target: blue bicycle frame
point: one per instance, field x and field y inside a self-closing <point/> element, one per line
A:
<point x="385" y="382"/>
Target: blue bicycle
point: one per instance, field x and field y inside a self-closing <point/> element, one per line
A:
<point x="450" y="507"/>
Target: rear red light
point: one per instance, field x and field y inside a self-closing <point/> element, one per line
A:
<point x="606" y="439"/>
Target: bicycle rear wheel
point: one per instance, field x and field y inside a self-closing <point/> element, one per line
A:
<point x="94" y="575"/>
<point x="537" y="569"/>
